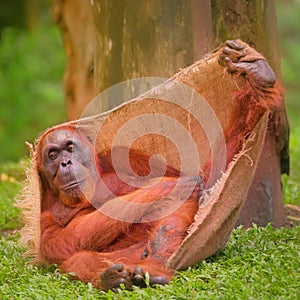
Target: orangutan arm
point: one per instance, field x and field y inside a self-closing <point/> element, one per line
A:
<point x="96" y="231"/>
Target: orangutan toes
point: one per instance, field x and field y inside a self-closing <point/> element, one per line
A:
<point x="114" y="276"/>
<point x="237" y="60"/>
<point x="139" y="278"/>
<point x="158" y="280"/>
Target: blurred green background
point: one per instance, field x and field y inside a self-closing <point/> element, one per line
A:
<point x="32" y="63"/>
<point x="31" y="72"/>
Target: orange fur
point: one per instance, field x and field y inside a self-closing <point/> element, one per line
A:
<point x="85" y="241"/>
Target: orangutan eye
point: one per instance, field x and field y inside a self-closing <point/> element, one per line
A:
<point x="53" y="154"/>
<point x="71" y="147"/>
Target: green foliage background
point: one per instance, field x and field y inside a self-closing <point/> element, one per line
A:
<point x="288" y="12"/>
<point x="31" y="92"/>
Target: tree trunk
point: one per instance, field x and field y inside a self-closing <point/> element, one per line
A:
<point x="133" y="39"/>
<point x="147" y="38"/>
<point x="75" y="21"/>
<point x="255" y="22"/>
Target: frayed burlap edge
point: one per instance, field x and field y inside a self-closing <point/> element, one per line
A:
<point x="29" y="203"/>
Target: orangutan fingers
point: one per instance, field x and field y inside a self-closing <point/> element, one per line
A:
<point x="259" y="69"/>
<point x="234" y="44"/>
<point x="234" y="55"/>
<point x="232" y="66"/>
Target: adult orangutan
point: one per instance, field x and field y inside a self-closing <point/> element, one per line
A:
<point x="78" y="185"/>
<point x="83" y="239"/>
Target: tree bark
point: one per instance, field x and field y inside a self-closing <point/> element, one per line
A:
<point x="75" y="21"/>
<point x="120" y="40"/>
<point x="147" y="39"/>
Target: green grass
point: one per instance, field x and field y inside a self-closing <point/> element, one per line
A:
<point x="260" y="263"/>
<point x="9" y="215"/>
<point x="11" y="176"/>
